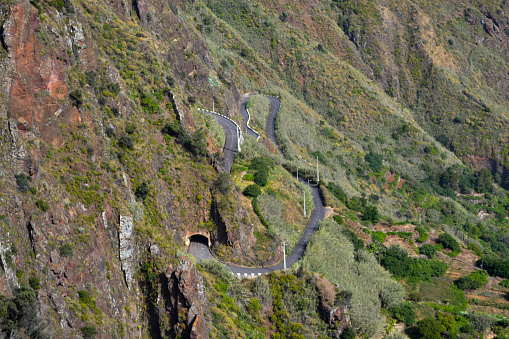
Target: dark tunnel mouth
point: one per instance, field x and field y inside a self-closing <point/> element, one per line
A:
<point x="198" y="238"/>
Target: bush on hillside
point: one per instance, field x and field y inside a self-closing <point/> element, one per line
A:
<point x="261" y="177"/>
<point x="472" y="281"/>
<point x="252" y="191"/>
<point x="142" y="191"/>
<point x="404" y="312"/>
<point x="375" y="161"/>
<point x="448" y="241"/>
<point x="125" y="141"/>
<point x="428" y="250"/>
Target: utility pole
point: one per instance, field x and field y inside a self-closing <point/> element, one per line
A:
<point x="284" y="255"/>
<point x="297" y="174"/>
<point x="317" y="172"/>
<point x="304" y="203"/>
<point x="213" y="105"/>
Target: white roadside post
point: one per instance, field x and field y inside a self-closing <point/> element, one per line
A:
<point x="284" y="256"/>
<point x="317" y="172"/>
<point x="304" y="203"/>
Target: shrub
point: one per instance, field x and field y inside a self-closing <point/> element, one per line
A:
<point x="472" y="281"/>
<point x="348" y="333"/>
<point x="110" y="132"/>
<point x="35" y="283"/>
<point x="480" y="321"/>
<point x="76" y="98"/>
<point x="371" y="214"/>
<point x="378" y="236"/>
<point x="142" y="191"/>
<point x="66" y="251"/>
<point x="505" y="283"/>
<point x="88" y="331"/>
<point x="252" y="191"/>
<point x="248" y="177"/>
<point x="375" y="161"/>
<point x="130" y="128"/>
<point x="42" y="205"/>
<point x="224" y="183"/>
<point x="22" y="181"/>
<point x="338" y="219"/>
<point x="404" y="313"/>
<point x="448" y="241"/>
<point x="125" y="141"/>
<point x="430" y="328"/>
<point x="428" y="250"/>
<point x="261" y="177"/>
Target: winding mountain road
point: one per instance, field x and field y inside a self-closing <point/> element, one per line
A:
<point x="200" y="250"/>
<point x="231" y="140"/>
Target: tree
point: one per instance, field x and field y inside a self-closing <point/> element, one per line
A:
<point x="252" y="191"/>
<point x="371" y="214"/>
<point x="348" y="333"/>
<point x="448" y="242"/>
<point x="428" y="250"/>
<point x="375" y="161"/>
<point x="430" y="328"/>
<point x="125" y="141"/>
<point x="261" y="177"/>
<point x="484" y="183"/>
<point x="142" y="191"/>
<point x="76" y="98"/>
<point x="404" y="313"/>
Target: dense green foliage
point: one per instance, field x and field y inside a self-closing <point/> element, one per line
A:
<point x="428" y="250"/>
<point x="252" y="191"/>
<point x="472" y="281"/>
<point x="18" y="315"/>
<point x="397" y="261"/>
<point x="404" y="312"/>
<point x="448" y="242"/>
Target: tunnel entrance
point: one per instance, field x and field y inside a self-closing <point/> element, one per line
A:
<point x="199" y="238"/>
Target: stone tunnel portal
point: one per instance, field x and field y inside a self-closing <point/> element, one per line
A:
<point x="200" y="238"/>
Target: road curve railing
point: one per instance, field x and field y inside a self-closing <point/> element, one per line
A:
<point x="240" y="137"/>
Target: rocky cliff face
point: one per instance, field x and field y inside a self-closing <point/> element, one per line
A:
<point x="73" y="77"/>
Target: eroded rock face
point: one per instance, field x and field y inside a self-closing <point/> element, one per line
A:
<point x="126" y="247"/>
<point x="188" y="300"/>
<point x="333" y="306"/>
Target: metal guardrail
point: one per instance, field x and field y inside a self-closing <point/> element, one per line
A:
<point x="240" y="137"/>
<point x="247" y="124"/>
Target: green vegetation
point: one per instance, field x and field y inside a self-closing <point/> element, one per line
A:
<point x="472" y="281"/>
<point x="332" y="254"/>
<point x="66" y="250"/>
<point x="19" y="314"/>
<point x="428" y="250"/>
<point x="397" y="261"/>
<point x="252" y="191"/>
<point x="448" y="242"/>
<point x="42" y="205"/>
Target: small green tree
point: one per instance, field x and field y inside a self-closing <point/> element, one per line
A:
<point x="42" y="205"/>
<point x="371" y="214"/>
<point x="252" y="191"/>
<point x="125" y="141"/>
<point x="35" y="283"/>
<point x="76" y="96"/>
<point x="430" y="328"/>
<point x="261" y="177"/>
<point x="142" y="191"/>
<point x="448" y="242"/>
<point x="404" y="312"/>
<point x="375" y="161"/>
<point x="428" y="250"/>
<point x="88" y="331"/>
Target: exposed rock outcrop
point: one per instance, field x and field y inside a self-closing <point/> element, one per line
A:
<point x="333" y="306"/>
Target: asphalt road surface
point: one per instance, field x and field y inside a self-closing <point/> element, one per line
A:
<point x="275" y="104"/>
<point x="243" y="111"/>
<point x="230" y="143"/>
<point x="200" y="250"/>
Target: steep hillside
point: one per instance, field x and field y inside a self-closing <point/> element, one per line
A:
<point x="109" y="167"/>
